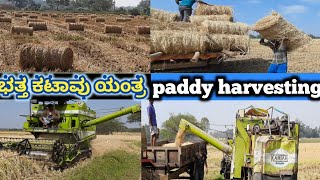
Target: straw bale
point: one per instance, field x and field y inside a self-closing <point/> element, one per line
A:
<point x="5" y="19"/>
<point x="100" y="19"/>
<point x="224" y="27"/>
<point x="81" y="19"/>
<point x="143" y="29"/>
<point x="76" y="27"/>
<point x="123" y="19"/>
<point x="198" y="19"/>
<point x="219" y="42"/>
<point x="33" y="17"/>
<point x="164" y="15"/>
<point x="17" y="15"/>
<point x="207" y="9"/>
<point x="38" y="26"/>
<point x="183" y="26"/>
<point x="44" y="14"/>
<point x="22" y="30"/>
<point x="70" y="20"/>
<point x="113" y="29"/>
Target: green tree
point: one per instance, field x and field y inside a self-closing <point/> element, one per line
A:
<point x="205" y="124"/>
<point x="22" y="3"/>
<point x="134" y="11"/>
<point x="57" y="3"/>
<point x="134" y="117"/>
<point x="110" y="127"/>
<point x="144" y="7"/>
<point x="101" y="5"/>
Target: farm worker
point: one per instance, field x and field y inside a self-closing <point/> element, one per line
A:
<point x="279" y="63"/>
<point x="201" y="163"/>
<point x="154" y="131"/>
<point x="185" y="9"/>
<point x="50" y="116"/>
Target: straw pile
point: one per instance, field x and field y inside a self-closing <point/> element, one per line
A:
<point x="164" y="16"/>
<point x="38" y="26"/>
<point x="113" y="29"/>
<point x="5" y="19"/>
<point x="275" y="27"/>
<point x="207" y="9"/>
<point x="198" y="19"/>
<point x="76" y="27"/>
<point x="70" y="20"/>
<point x="38" y="56"/>
<point x="100" y="19"/>
<point x="22" y="30"/>
<point x="143" y="29"/>
<point x="123" y="19"/>
<point x="222" y="27"/>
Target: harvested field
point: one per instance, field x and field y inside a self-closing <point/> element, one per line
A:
<point x="94" y="50"/>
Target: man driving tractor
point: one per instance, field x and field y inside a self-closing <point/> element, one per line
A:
<point x="50" y="117"/>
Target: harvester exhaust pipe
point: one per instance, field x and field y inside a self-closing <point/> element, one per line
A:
<point x="187" y="126"/>
<point x="122" y="112"/>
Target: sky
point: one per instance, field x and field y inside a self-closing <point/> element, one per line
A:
<point x="304" y="14"/>
<point x="224" y="112"/>
<point x="11" y="110"/>
<point x="125" y="3"/>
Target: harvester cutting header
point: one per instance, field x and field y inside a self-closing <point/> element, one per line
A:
<point x="62" y="131"/>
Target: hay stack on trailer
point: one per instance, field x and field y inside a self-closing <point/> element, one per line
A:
<point x="275" y="27"/>
<point x="76" y="27"/>
<point x="39" y="56"/>
<point x="113" y="29"/>
<point x="198" y="19"/>
<point x="22" y="30"/>
<point x="5" y="19"/>
<point x="222" y="27"/>
<point x="38" y="26"/>
<point x="207" y="9"/>
<point x="164" y="16"/>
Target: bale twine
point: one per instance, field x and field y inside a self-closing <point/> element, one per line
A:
<point x="5" y="19"/>
<point x="76" y="27"/>
<point x="17" y="15"/>
<point x="70" y="20"/>
<point x="224" y="27"/>
<point x="164" y="15"/>
<point x="38" y="56"/>
<point x="82" y="19"/>
<point x="207" y="9"/>
<point x="44" y="14"/>
<point x="275" y="27"/>
<point x="143" y="29"/>
<point x="100" y="19"/>
<point x="178" y="42"/>
<point x="33" y="17"/>
<point x="123" y="19"/>
<point x="22" y="30"/>
<point x="38" y="26"/>
<point x="198" y="19"/>
<point x="113" y="29"/>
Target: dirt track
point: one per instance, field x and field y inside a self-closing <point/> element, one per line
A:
<point x="94" y="51"/>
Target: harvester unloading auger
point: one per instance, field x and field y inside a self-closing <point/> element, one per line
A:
<point x="69" y="140"/>
<point x="262" y="148"/>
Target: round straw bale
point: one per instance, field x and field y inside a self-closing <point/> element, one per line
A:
<point x="81" y="19"/>
<point x="164" y="15"/>
<point x="38" y="26"/>
<point x="123" y="19"/>
<point x="33" y="17"/>
<point x="70" y="20"/>
<point x="143" y="29"/>
<point x="198" y="19"/>
<point x="275" y="27"/>
<point x="207" y="9"/>
<point x="76" y="27"/>
<point x="22" y="30"/>
<point x="39" y="56"/>
<point x="5" y="19"/>
<point x="44" y="14"/>
<point x="100" y="19"/>
<point x="113" y="29"/>
<point x="17" y="15"/>
<point x="225" y="27"/>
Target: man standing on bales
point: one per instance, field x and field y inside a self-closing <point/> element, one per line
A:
<point x="185" y="9"/>
<point x="154" y="131"/>
<point x="280" y="61"/>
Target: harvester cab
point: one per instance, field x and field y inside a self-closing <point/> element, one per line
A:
<point x="264" y="145"/>
<point x="62" y="139"/>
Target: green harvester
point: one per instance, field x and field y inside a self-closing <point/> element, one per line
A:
<point x="263" y="147"/>
<point x="65" y="143"/>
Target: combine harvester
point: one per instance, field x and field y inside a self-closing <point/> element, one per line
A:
<point x="262" y="148"/>
<point x="69" y="141"/>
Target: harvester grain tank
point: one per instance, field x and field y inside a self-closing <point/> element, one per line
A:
<point x="66" y="142"/>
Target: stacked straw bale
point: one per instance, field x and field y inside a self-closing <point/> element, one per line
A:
<point x="198" y="19"/>
<point x="164" y="16"/>
<point x="38" y="56"/>
<point x="143" y="29"/>
<point x="221" y="42"/>
<point x="22" y="30"/>
<point x="222" y="27"/>
<point x="38" y="26"/>
<point x="275" y="27"/>
<point x="100" y="19"/>
<point x="207" y="9"/>
<point x="70" y="20"/>
<point x="76" y="27"/>
<point x="5" y="19"/>
<point x="113" y="29"/>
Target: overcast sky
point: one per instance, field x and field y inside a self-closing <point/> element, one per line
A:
<point x="11" y="109"/>
<point x="304" y="14"/>
<point x="125" y="3"/>
<point x="224" y="112"/>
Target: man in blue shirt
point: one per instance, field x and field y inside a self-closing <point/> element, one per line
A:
<point x="152" y="123"/>
<point x="185" y="9"/>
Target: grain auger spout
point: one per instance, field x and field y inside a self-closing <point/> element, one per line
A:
<point x="122" y="112"/>
<point x="187" y="126"/>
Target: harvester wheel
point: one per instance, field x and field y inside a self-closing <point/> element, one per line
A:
<point x="24" y="147"/>
<point x="58" y="152"/>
